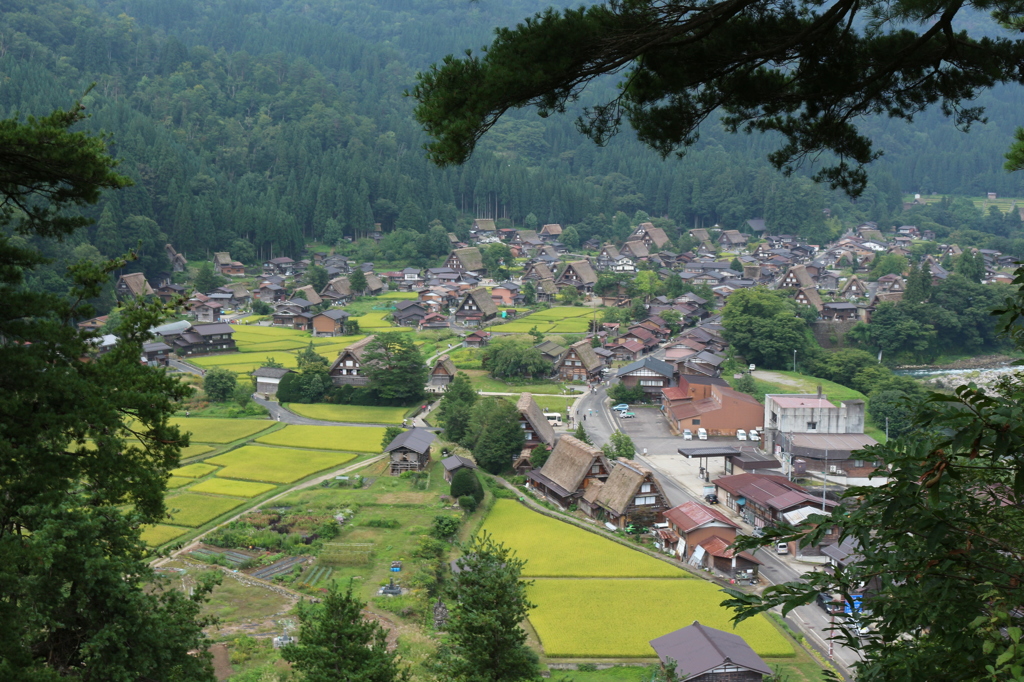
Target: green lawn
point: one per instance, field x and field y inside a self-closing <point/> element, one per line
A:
<point x="360" y="414"/>
<point x="555" y="403"/>
<point x="482" y="381"/>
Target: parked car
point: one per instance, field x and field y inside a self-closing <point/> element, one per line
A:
<point x="741" y="434"/>
<point x="627" y="415"/>
<point x="621" y="407"/>
<point x="754" y="435"/>
<point x="711" y="498"/>
<point x="828" y="604"/>
<point x="702" y="434"/>
<point x="782" y="548"/>
<point x="687" y="434"/>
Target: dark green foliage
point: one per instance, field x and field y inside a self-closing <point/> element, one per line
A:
<point x="919" y="284"/>
<point x="764" y="328"/>
<point x="622" y="445"/>
<point x="262" y="307"/>
<point x="494" y="434"/>
<point x="444" y="527"/>
<point x="242" y="395"/>
<point x="219" y="384"/>
<point x="79" y="597"/>
<point x="336" y="644"/>
<point x="893" y="411"/>
<point x="357" y="281"/>
<point x="395" y="367"/>
<point x="317" y="277"/>
<point x="206" y="279"/>
<point x="488" y="601"/>
<point x="514" y="358"/>
<point x="466" y="482"/>
<point x="455" y="407"/>
<point x="468" y="503"/>
<point x="539" y="455"/>
<point x="971" y="264"/>
<point x="581" y="434"/>
<point x="745" y="384"/>
<point x="390" y="433"/>
<point x="620" y="393"/>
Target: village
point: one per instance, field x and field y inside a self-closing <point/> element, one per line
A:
<point x="706" y="461"/>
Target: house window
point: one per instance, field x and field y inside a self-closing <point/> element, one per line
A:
<point x="811" y="426"/>
<point x="858" y="462"/>
<point x="645" y="488"/>
<point x="650" y="382"/>
<point x="644" y="500"/>
<point x="348" y="363"/>
<point x="775" y="418"/>
<point x="695" y="422"/>
<point x="596" y="469"/>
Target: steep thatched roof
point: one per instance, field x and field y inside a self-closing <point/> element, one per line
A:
<point x="538" y="271"/>
<point x="586" y="354"/>
<point x="636" y="248"/>
<point x="553" y="229"/>
<point x="137" y="284"/>
<point x="444" y="362"/>
<point x="529" y="409"/>
<point x="610" y="251"/>
<point x="803" y="278"/>
<point x="338" y="286"/>
<point x="222" y="258"/>
<point x="356" y="350"/>
<point x="307" y="292"/>
<point x="583" y="270"/>
<point x="547" y="286"/>
<point x="810" y="296"/>
<point x="482" y="298"/>
<point x="469" y="258"/>
<point x="622" y="486"/>
<point x="656" y="234"/>
<point x="570" y="462"/>
<point x="373" y="282"/>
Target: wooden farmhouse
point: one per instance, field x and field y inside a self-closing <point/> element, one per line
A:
<point x="441" y="374"/>
<point x="338" y="291"/>
<point x="453" y="464"/>
<point x="132" y="285"/>
<point x="476" y="307"/>
<point x="468" y="259"/>
<point x="703" y="654"/>
<point x="410" y="451"/>
<point x="537" y="270"/>
<point x="572" y="467"/>
<point x="551" y="231"/>
<point x="347" y="369"/>
<point x="579" y="274"/>
<point x="653" y="237"/>
<point x="580" y="363"/>
<point x="330" y="323"/>
<point x="649" y="373"/>
<point x="635" y="249"/>
<point x="854" y="288"/>
<point x="535" y="425"/>
<point x="797" y="278"/>
<point x="629" y="490"/>
<point x="268" y="379"/>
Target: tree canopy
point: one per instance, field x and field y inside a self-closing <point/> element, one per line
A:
<point x="395" y="367"/>
<point x="801" y="69"/>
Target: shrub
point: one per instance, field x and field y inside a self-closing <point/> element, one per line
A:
<point x="468" y="503"/>
<point x="465" y="482"/>
<point x="444" y="526"/>
<point x="219" y="384"/>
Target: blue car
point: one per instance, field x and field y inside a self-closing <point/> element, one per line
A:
<point x="621" y="406"/>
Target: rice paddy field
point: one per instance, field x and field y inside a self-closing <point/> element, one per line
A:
<point x="220" y="430"/>
<point x="276" y="465"/>
<point x="197" y="470"/>
<point x="617" y="618"/>
<point x="349" y="438"/>
<point x="154" y="536"/>
<point x="177" y="482"/>
<point x="626" y="599"/>
<point x="580" y="554"/>
<point x="360" y="414"/>
<point x="193" y="510"/>
<point x="227" y="486"/>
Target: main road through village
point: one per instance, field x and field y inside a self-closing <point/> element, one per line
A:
<point x="679" y="478"/>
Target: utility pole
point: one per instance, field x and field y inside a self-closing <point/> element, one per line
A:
<point x="824" y="487"/>
<point x="794" y="360"/>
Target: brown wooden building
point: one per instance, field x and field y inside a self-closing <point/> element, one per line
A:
<point x="410" y="451"/>
<point x="629" y="490"/>
<point x="572" y="467"/>
<point x="347" y="369"/>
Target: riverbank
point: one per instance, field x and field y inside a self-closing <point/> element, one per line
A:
<point x="995" y="361"/>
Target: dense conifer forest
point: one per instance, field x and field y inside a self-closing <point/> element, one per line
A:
<point x="261" y="125"/>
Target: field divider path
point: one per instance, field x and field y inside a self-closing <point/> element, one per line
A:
<point x="308" y="484"/>
<point x="525" y="499"/>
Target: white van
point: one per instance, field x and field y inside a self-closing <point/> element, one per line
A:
<point x="687" y="434"/>
<point x="702" y="434"/>
<point x="741" y="434"/>
<point x="554" y="418"/>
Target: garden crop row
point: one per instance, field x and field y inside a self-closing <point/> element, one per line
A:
<point x="557" y="549"/>
<point x="276" y="465"/>
<point x="617" y="618"/>
<point x="350" y="438"/>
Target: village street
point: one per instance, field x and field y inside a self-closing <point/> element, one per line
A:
<point x="679" y="478"/>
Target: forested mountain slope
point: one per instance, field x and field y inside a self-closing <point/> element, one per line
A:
<point x="257" y="125"/>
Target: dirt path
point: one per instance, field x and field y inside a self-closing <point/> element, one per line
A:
<point x="776" y="378"/>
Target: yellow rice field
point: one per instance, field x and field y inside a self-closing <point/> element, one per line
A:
<point x="220" y="430"/>
<point x="192" y="510"/>
<point x="349" y="438"/>
<point x="159" y="534"/>
<point x="227" y="486"/>
<point x="276" y="465"/>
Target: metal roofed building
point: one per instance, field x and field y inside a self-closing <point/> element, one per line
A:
<point x="704" y="654"/>
<point x="410" y="451"/>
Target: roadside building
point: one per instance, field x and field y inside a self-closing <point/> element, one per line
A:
<point x="410" y="450"/>
<point x="703" y="654"/>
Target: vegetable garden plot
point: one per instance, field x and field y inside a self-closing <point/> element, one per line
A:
<point x="227" y="486"/>
<point x="554" y="548"/>
<point x="276" y="465"/>
<point x="220" y="430"/>
<point x="349" y="438"/>
<point x="159" y="534"/>
<point x="192" y="510"/>
<point x="617" y="618"/>
<point x="360" y="414"/>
